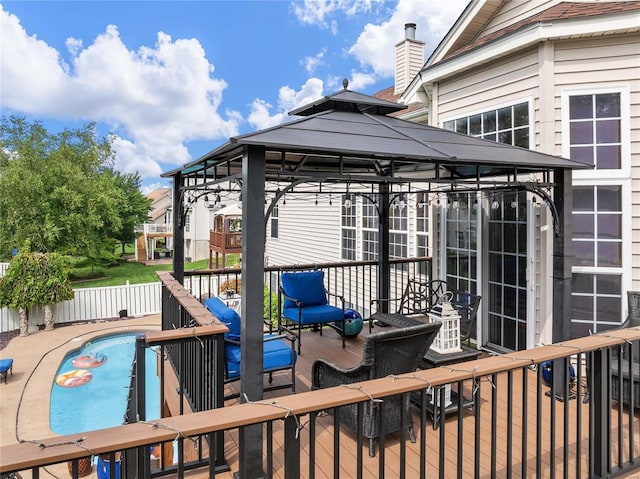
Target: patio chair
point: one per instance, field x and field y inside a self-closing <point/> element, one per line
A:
<point x="467" y="305"/>
<point x="418" y="298"/>
<point x="306" y="305"/>
<point x="6" y="366"/>
<point x="617" y="373"/>
<point x="395" y="351"/>
<point x="279" y="352"/>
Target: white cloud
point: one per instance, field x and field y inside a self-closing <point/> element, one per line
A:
<point x="375" y="46"/>
<point x="288" y="99"/>
<point x="317" y="12"/>
<point x="311" y="63"/>
<point x="158" y="97"/>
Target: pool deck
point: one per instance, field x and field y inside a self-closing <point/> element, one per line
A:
<point x="24" y="400"/>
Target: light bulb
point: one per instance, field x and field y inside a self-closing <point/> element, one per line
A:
<point x="514" y="204"/>
<point x="495" y="205"/>
<point x="455" y="205"/>
<point x="347" y="203"/>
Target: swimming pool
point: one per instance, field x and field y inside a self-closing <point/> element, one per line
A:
<point x="102" y="401"/>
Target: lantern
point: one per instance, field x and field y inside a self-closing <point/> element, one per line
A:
<point x="448" y="337"/>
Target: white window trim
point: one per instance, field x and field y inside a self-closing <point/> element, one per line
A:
<point x="465" y="114"/>
<point x="626" y="248"/>
<point x="625" y="131"/>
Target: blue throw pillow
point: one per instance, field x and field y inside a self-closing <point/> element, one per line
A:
<point x="306" y="286"/>
<point x="225" y="314"/>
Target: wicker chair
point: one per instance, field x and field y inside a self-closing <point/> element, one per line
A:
<point x="395" y="351"/>
<point x="633" y="319"/>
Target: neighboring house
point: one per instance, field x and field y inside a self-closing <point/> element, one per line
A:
<point x="557" y="77"/>
<point x="159" y="228"/>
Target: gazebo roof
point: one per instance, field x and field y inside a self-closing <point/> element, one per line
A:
<point x="348" y="134"/>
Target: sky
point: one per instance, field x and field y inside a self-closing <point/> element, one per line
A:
<point x="173" y="80"/>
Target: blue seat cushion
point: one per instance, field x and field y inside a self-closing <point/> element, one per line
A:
<point x="278" y="354"/>
<point x="324" y="313"/>
<point x="225" y="314"/>
<point x="5" y="365"/>
<point x="305" y="286"/>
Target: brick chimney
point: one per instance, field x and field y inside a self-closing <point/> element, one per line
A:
<point x="409" y="58"/>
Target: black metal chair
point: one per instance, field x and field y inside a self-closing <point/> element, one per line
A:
<point x="620" y="368"/>
<point x="467" y="305"/>
<point x="418" y="298"/>
<point x="395" y="351"/>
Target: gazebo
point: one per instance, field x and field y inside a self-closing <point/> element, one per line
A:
<point x="348" y="137"/>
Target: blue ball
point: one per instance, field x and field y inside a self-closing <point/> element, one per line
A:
<point x="352" y="323"/>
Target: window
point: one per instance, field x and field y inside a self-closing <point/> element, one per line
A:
<point x="274" y="221"/>
<point x="595" y="130"/>
<point x="398" y="228"/>
<point x="597" y="225"/>
<point x="596" y="302"/>
<point x="422" y="224"/>
<point x="187" y="221"/>
<point x="508" y="125"/>
<point x="348" y="232"/>
<point x="369" y="228"/>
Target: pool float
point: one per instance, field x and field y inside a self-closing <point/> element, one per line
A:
<point x="91" y="360"/>
<point x="74" y="378"/>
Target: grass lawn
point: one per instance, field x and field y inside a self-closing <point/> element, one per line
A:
<point x="135" y="273"/>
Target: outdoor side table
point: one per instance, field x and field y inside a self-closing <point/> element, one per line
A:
<point x="434" y="359"/>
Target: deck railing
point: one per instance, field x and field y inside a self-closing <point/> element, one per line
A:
<point x="535" y="435"/>
<point x="356" y="281"/>
<point x="518" y="426"/>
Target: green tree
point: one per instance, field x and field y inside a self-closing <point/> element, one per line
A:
<point x="35" y="279"/>
<point x="56" y="190"/>
<point x="133" y="210"/>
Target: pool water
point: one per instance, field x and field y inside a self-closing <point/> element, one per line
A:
<point x="102" y="402"/>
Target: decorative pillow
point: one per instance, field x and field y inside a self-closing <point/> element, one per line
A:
<point x="306" y="286"/>
<point x="225" y="314"/>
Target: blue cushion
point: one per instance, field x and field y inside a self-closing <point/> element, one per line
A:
<point x="5" y="365"/>
<point x="306" y="286"/>
<point x="225" y="314"/>
<point x="277" y="354"/>
<point x="324" y="313"/>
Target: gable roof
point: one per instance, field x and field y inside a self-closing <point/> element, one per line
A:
<point x="465" y="47"/>
<point x="559" y="12"/>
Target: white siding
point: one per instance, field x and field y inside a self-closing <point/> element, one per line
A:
<point x="502" y="83"/>
<point x="307" y="233"/>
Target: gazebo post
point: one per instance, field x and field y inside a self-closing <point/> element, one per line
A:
<point x="178" y="229"/>
<point x="562" y="272"/>
<point x="253" y="241"/>
<point x="384" y="285"/>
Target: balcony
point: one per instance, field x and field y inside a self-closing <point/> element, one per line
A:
<point x="517" y="426"/>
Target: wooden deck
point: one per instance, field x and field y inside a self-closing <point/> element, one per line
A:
<point x="515" y="427"/>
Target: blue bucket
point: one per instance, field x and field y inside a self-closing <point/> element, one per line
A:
<point x="104" y="468"/>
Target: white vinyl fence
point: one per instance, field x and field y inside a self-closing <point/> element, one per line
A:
<point x="101" y="303"/>
<point x="94" y="303"/>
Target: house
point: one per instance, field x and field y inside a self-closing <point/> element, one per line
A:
<point x="561" y="78"/>
<point x="158" y="231"/>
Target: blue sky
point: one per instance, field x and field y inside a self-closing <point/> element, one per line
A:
<point x="172" y="80"/>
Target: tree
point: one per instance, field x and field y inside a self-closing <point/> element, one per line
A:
<point x="55" y="189"/>
<point x="32" y="279"/>
<point x="135" y="207"/>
